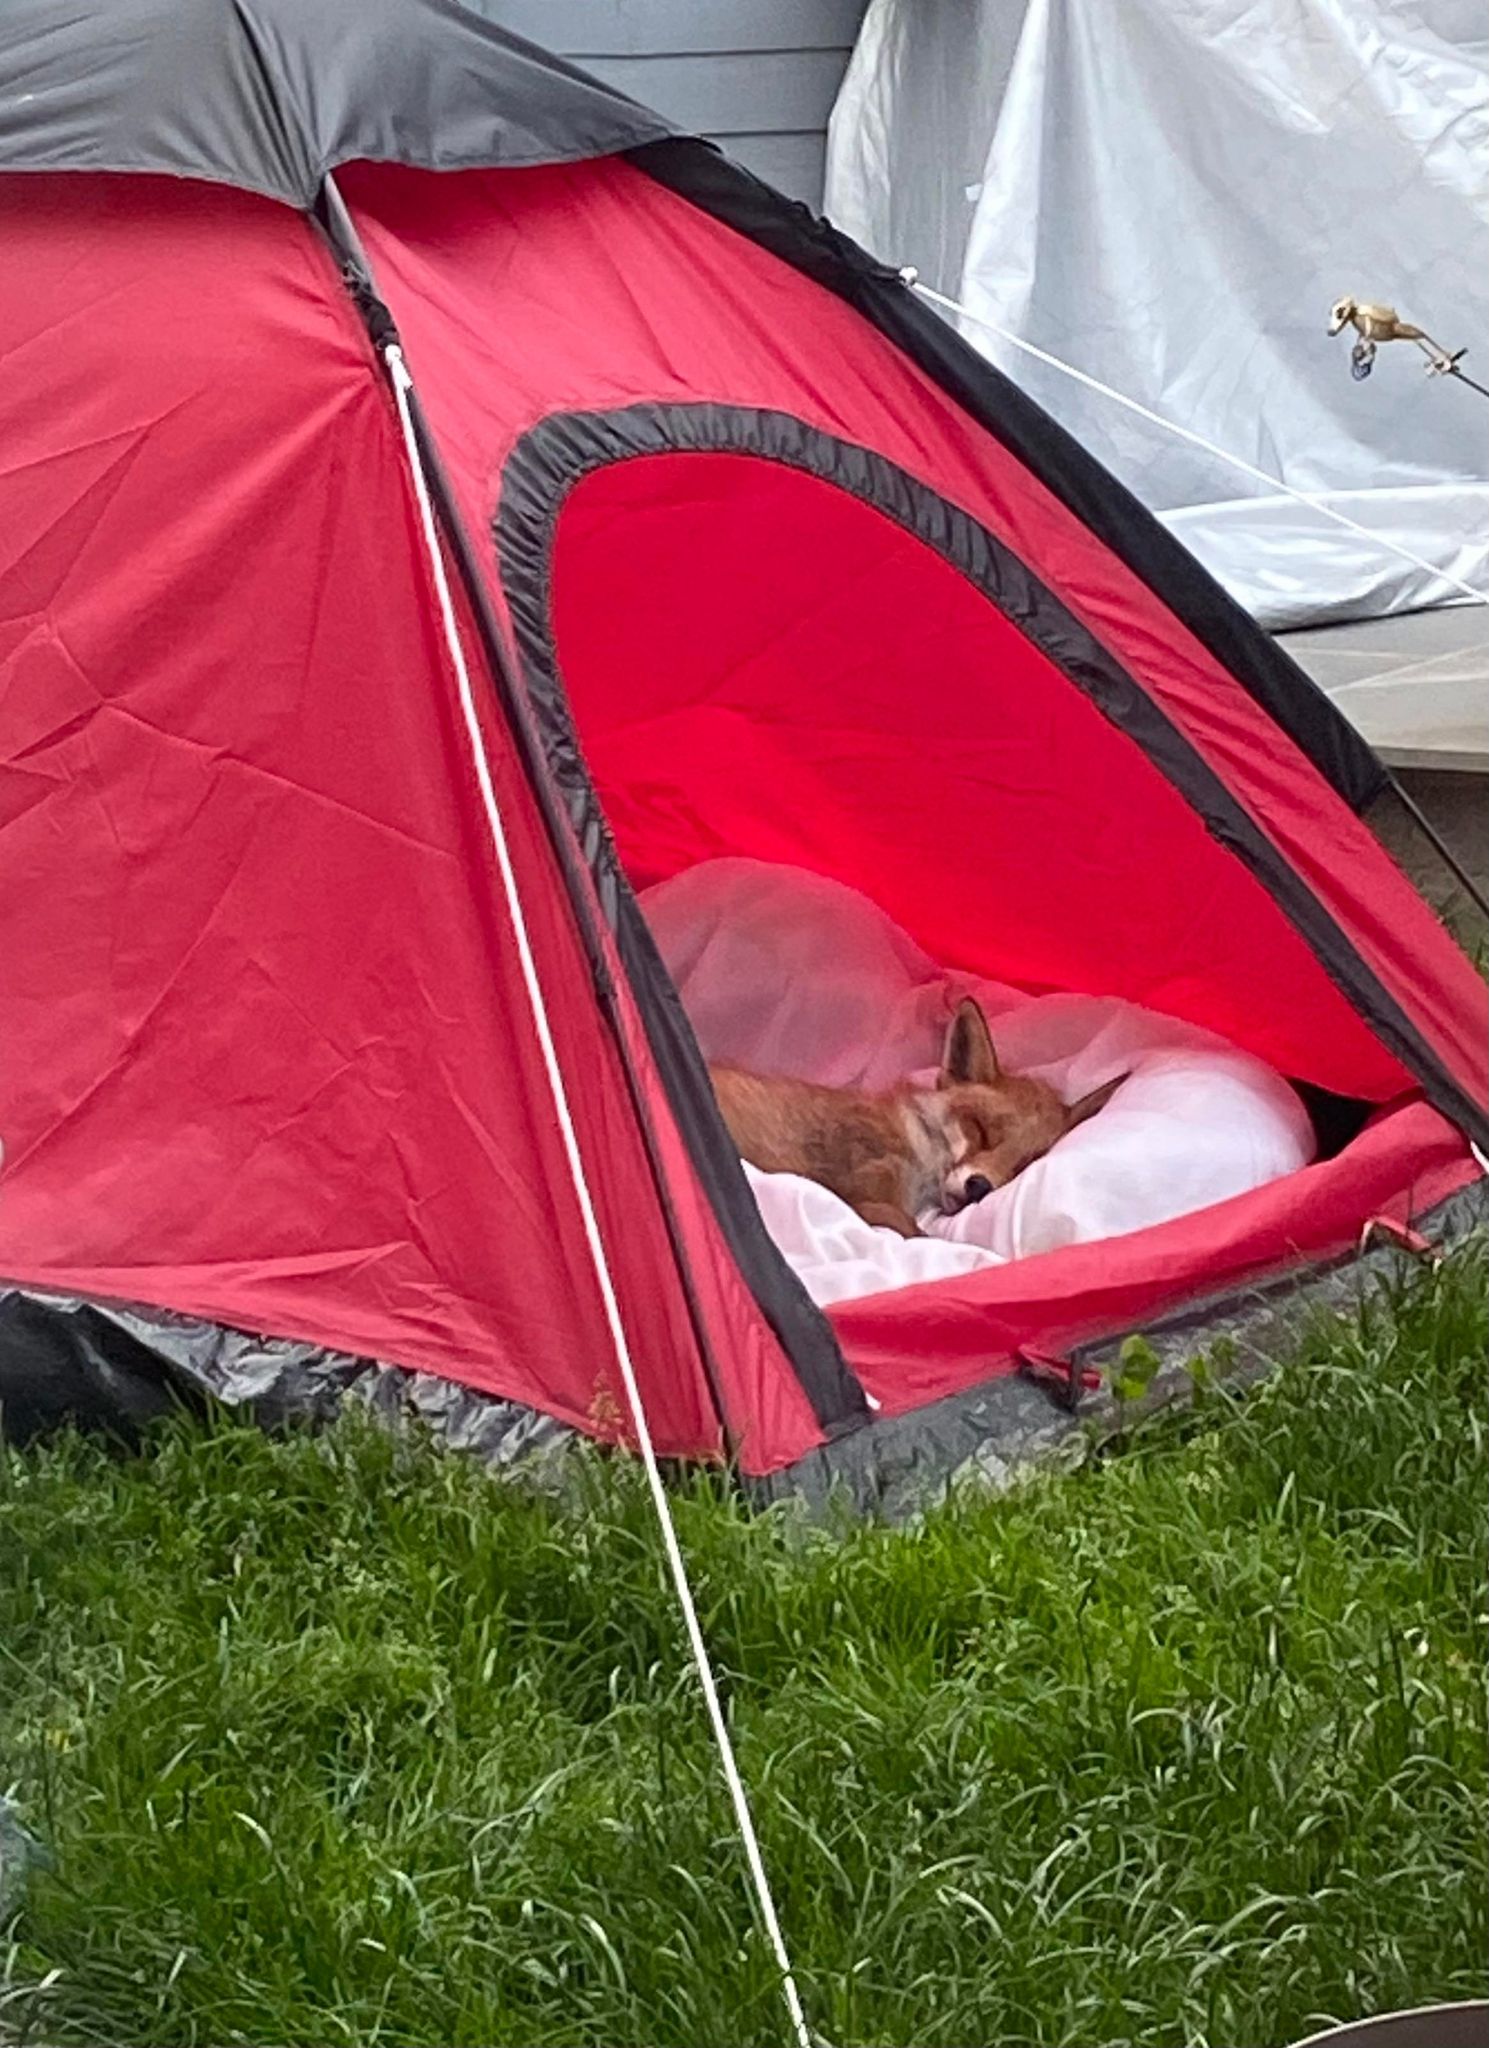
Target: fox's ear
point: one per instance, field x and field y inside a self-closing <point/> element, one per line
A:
<point x="968" y="1055"/>
<point x="1077" y="1112"/>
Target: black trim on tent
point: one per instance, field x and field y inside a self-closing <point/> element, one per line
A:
<point x="804" y="1333"/>
<point x="552" y="458"/>
<point x="697" y="172"/>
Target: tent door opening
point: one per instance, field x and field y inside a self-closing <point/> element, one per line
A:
<point x="747" y="640"/>
<point x="785" y="650"/>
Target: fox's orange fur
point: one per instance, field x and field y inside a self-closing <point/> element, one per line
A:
<point x="892" y="1156"/>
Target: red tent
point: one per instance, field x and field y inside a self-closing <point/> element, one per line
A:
<point x="715" y="494"/>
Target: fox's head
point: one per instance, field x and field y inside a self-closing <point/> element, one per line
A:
<point x="996" y="1124"/>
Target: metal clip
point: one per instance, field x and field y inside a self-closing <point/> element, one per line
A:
<point x="1066" y="1380"/>
<point x="1403" y="1237"/>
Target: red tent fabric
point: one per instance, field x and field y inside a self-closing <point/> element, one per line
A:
<point x="739" y="572"/>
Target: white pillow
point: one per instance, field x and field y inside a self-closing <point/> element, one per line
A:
<point x="1191" y="1126"/>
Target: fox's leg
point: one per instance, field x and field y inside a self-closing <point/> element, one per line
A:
<point x="889" y="1216"/>
<point x="879" y="1197"/>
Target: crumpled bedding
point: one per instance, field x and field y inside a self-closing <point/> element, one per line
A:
<point x="782" y="971"/>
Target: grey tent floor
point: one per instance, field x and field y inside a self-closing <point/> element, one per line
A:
<point x="124" y="1365"/>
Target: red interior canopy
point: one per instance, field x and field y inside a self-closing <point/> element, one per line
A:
<point x="761" y="664"/>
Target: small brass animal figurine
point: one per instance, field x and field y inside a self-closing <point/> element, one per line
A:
<point x="1375" y="324"/>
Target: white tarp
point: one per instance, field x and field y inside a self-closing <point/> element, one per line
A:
<point x="1170" y="194"/>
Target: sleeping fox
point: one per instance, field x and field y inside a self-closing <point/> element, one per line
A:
<point x="892" y="1156"/>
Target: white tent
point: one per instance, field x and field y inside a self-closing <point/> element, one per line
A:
<point x="1170" y="194"/>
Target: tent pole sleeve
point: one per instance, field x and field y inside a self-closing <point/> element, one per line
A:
<point x="801" y="1329"/>
<point x="346" y="244"/>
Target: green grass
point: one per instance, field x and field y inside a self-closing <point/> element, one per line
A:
<point x="340" y="1740"/>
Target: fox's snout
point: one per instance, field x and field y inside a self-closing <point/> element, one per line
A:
<point x="963" y="1185"/>
<point x="996" y="1124"/>
<point x="975" y="1176"/>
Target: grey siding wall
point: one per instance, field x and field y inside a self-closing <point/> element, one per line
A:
<point x="760" y="76"/>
